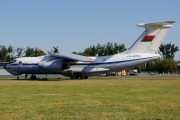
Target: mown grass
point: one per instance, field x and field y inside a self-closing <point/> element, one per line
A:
<point x="135" y="97"/>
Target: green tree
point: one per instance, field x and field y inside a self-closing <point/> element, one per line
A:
<point x="139" y="68"/>
<point x="10" y="53"/>
<point x="150" y="66"/>
<point x="121" y="48"/>
<point x="165" y="65"/>
<point x="101" y="50"/>
<point x="3" y="53"/>
<point x="168" y="50"/>
<point x="54" y="50"/>
<point x="90" y="51"/>
<point x="38" y="52"/>
<point x="20" y="52"/>
<point x="109" y="49"/>
<point x="169" y="65"/>
<point x="159" y="65"/>
<point x="29" y="52"/>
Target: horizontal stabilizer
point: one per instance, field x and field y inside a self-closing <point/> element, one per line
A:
<point x="155" y="24"/>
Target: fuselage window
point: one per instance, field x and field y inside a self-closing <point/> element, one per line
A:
<point x="13" y="61"/>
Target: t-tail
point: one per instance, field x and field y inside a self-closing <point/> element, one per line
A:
<point x="151" y="38"/>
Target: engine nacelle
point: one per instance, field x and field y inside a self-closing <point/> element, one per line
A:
<point x="50" y="65"/>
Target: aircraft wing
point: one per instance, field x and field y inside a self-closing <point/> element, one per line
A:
<point x="73" y="57"/>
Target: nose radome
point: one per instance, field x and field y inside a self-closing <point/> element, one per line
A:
<point x="3" y="64"/>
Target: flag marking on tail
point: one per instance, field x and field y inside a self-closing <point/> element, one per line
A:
<point x="148" y="38"/>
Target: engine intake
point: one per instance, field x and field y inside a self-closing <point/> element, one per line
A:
<point x="53" y="65"/>
<point x="50" y="65"/>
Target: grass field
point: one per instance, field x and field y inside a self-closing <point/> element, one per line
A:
<point x="102" y="98"/>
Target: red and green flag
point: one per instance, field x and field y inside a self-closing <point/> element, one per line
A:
<point x="148" y="38"/>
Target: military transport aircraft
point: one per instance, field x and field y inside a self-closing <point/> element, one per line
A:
<point x="144" y="49"/>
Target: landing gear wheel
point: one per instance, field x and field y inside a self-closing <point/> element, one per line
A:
<point x="72" y="77"/>
<point x="76" y="77"/>
<point x="83" y="77"/>
<point x="33" y="77"/>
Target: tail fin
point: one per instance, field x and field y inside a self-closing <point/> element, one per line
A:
<point x="151" y="38"/>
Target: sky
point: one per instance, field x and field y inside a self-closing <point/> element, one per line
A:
<point x="73" y="25"/>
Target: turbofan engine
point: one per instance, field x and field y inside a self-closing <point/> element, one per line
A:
<point x="53" y="65"/>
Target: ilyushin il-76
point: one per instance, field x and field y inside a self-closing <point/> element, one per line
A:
<point x="143" y="50"/>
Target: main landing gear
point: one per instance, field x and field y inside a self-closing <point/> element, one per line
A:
<point x="77" y="76"/>
<point x="33" y="77"/>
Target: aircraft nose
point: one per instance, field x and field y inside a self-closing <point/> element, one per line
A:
<point x="6" y="66"/>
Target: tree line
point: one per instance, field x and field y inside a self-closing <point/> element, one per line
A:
<point x="165" y="64"/>
<point x="9" y="53"/>
<point x="102" y="50"/>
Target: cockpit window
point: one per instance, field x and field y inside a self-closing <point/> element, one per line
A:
<point x="13" y="61"/>
<point x="52" y="58"/>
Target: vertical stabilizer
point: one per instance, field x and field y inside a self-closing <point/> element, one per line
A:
<point x="151" y="38"/>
